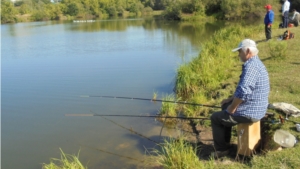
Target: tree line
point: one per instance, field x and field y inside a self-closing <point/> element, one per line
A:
<point x="39" y="10"/>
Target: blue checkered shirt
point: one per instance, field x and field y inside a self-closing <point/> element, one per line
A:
<point x="253" y="89"/>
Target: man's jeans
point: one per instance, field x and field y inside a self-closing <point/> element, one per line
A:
<point x="285" y="19"/>
<point x="221" y="123"/>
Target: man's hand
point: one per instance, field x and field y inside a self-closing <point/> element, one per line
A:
<point x="233" y="106"/>
<point x="226" y="100"/>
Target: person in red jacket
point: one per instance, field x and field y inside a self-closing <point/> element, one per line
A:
<point x="269" y="18"/>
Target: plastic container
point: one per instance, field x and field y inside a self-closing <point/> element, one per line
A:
<point x="284" y="138"/>
<point x="298" y="127"/>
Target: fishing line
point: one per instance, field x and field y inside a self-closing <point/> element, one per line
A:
<point x="130" y="158"/>
<point x="130" y="130"/>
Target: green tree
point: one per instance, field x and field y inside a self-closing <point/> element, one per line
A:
<point x="53" y="11"/>
<point x="173" y="12"/>
<point x="24" y="9"/>
<point x="8" y="12"/>
<point x="72" y="9"/>
<point x="112" y="11"/>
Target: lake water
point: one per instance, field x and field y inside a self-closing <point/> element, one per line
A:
<point x="47" y="66"/>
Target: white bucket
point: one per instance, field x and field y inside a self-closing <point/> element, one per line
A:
<point x="284" y="138"/>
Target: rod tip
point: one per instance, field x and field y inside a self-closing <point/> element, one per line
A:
<point x="84" y="96"/>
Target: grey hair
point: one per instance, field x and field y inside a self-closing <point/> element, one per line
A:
<point x="253" y="50"/>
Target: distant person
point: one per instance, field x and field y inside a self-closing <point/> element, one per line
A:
<point x="295" y="19"/>
<point x="285" y="13"/>
<point x="269" y="18"/>
<point x="249" y="102"/>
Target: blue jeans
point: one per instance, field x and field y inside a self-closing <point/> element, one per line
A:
<point x="221" y="123"/>
<point x="285" y="19"/>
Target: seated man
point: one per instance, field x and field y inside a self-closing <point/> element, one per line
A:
<point x="295" y="19"/>
<point x="249" y="102"/>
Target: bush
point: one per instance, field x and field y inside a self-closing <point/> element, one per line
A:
<point x="8" y="12"/>
<point x="112" y="11"/>
<point x="24" y="9"/>
<point x="72" y="9"/>
<point x="39" y="16"/>
<point x="173" y="12"/>
<point x="278" y="50"/>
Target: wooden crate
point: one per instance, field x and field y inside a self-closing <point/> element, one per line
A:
<point x="248" y="138"/>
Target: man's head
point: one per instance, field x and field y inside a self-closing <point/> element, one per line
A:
<point x="268" y="7"/>
<point x="247" y="49"/>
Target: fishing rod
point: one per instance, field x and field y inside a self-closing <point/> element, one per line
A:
<point x="151" y="116"/>
<point x="153" y="100"/>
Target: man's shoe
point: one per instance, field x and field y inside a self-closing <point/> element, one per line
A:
<point x="219" y="154"/>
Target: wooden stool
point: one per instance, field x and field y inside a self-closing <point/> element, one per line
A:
<point x="248" y="138"/>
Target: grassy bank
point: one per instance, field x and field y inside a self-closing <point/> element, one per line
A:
<point x="213" y="75"/>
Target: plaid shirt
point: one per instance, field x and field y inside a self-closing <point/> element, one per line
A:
<point x="253" y="89"/>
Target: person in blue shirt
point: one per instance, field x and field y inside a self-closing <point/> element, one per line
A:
<point x="269" y="18"/>
<point x="249" y="102"/>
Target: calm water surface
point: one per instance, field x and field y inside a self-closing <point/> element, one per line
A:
<point x="47" y="66"/>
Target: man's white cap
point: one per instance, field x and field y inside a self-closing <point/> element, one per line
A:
<point x="244" y="44"/>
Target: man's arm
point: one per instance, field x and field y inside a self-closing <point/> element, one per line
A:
<point x="233" y="106"/>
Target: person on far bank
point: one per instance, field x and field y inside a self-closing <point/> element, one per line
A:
<point x="269" y="18"/>
<point x="285" y="13"/>
<point x="249" y="102"/>
<point x="295" y="19"/>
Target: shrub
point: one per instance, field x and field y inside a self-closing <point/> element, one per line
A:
<point x="278" y="50"/>
<point x="72" y="9"/>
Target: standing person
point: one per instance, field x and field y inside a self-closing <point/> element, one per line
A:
<point x="296" y="18"/>
<point x="285" y="13"/>
<point x="249" y="102"/>
<point x="269" y="18"/>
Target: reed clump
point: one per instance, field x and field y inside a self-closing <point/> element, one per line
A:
<point x="179" y="154"/>
<point x="66" y="161"/>
<point x="167" y="108"/>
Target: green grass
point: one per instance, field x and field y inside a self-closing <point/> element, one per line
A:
<point x="178" y="154"/>
<point x="167" y="108"/>
<point x="66" y="161"/>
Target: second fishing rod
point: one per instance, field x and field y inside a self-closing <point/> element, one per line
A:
<point x="152" y="100"/>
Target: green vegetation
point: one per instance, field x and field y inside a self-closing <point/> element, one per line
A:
<point x="178" y="154"/>
<point x="168" y="109"/>
<point x="66" y="161"/>
<point x="38" y="10"/>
